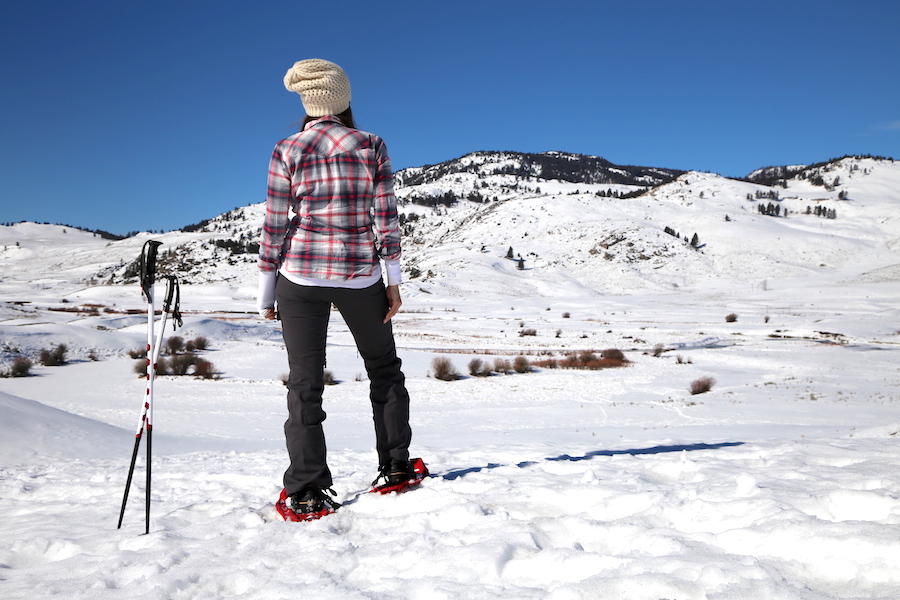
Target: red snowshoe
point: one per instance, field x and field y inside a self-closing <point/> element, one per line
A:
<point x="420" y="472"/>
<point x="289" y="514"/>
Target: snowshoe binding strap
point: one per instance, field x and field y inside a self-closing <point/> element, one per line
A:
<point x="314" y="500"/>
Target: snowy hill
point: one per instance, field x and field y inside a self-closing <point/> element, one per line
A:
<point x="593" y="235"/>
<point x="572" y="238"/>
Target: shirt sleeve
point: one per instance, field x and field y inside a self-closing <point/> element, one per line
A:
<point x="278" y="201"/>
<point x="386" y="219"/>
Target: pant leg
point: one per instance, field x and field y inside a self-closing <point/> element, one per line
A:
<point x="304" y="316"/>
<point x="364" y="311"/>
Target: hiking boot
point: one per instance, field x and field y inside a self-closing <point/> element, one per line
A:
<point x="311" y="500"/>
<point x="395" y="472"/>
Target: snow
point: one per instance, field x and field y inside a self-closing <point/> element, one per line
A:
<point x="779" y="483"/>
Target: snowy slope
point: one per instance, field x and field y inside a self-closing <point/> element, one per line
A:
<point x="33" y="432"/>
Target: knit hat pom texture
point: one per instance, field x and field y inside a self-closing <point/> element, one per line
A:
<point x="323" y="86"/>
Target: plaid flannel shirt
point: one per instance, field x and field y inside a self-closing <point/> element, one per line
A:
<point x="339" y="185"/>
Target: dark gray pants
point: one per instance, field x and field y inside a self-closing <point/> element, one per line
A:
<point x="304" y="312"/>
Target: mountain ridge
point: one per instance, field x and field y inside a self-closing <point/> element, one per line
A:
<point x="563" y="166"/>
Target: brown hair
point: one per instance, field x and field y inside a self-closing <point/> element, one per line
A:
<point x="346" y="118"/>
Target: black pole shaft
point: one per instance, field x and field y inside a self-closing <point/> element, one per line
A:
<point x="147" y="500"/>
<point x="137" y="443"/>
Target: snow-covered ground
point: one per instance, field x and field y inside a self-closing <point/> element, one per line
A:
<point x="779" y="483"/>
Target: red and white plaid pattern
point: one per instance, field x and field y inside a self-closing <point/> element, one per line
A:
<point x="339" y="186"/>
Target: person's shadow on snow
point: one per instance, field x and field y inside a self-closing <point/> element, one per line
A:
<point x="451" y="475"/>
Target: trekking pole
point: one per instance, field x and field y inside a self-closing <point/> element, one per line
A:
<point x="147" y="264"/>
<point x="172" y="290"/>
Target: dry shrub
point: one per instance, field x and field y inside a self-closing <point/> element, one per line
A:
<point x="524" y="332"/>
<point x="478" y="368"/>
<point x="140" y="367"/>
<point x="521" y="365"/>
<point x="702" y="385"/>
<point x="199" y="343"/>
<point x="731" y="318"/>
<point x="328" y="378"/>
<point x="163" y="367"/>
<point x="55" y="357"/>
<point x="613" y="354"/>
<point x="570" y="361"/>
<point x="138" y="353"/>
<point x="174" y="344"/>
<point x="20" y="367"/>
<point x="204" y="369"/>
<point x="502" y="365"/>
<point x="586" y="359"/>
<point x="180" y="364"/>
<point x="605" y="363"/>
<point x="443" y="369"/>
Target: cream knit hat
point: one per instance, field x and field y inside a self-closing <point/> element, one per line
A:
<point x="323" y="86"/>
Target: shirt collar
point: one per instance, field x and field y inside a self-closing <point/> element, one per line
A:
<point x="322" y="119"/>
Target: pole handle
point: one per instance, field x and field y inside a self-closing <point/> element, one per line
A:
<point x="148" y="266"/>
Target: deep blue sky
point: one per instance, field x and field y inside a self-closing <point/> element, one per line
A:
<point x="136" y="115"/>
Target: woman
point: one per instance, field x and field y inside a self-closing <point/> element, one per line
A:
<point x="337" y="182"/>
